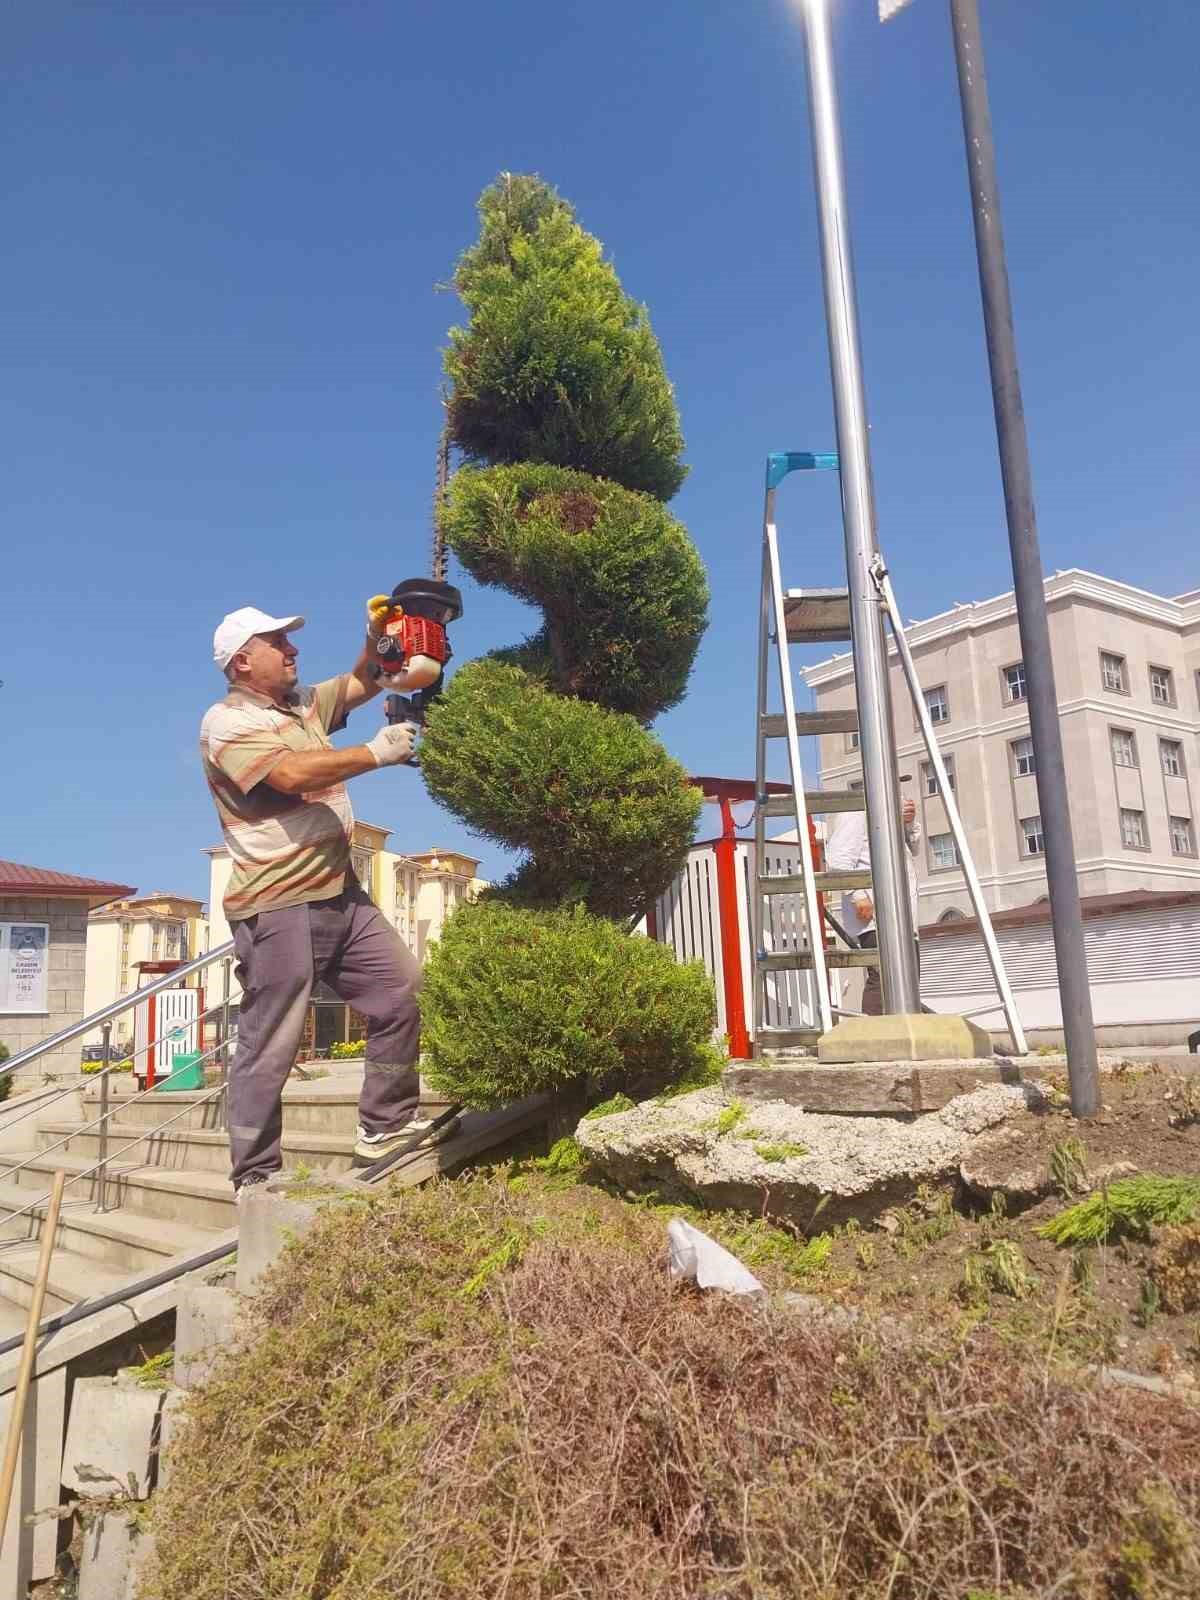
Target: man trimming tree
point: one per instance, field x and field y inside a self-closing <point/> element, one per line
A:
<point x="296" y="909"/>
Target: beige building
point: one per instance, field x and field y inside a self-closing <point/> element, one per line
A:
<point x="120" y="936"/>
<point x="1127" y="667"/>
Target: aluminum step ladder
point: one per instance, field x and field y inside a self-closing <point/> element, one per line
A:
<point x="821" y="616"/>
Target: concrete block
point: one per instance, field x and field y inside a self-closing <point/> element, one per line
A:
<point x="110" y="1539"/>
<point x="268" y="1218"/>
<point x="205" y="1326"/>
<point x="874" y="1089"/>
<point x="170" y="1419"/>
<point x="139" y="1564"/>
<point x="923" y="1036"/>
<point x="30" y="1550"/>
<point x="110" y="1438"/>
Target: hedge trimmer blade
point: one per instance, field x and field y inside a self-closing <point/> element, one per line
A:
<point x="437" y="566"/>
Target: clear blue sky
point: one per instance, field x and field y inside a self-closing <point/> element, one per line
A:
<point x="224" y="227"/>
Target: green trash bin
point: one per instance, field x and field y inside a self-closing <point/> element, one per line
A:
<point x="186" y="1072"/>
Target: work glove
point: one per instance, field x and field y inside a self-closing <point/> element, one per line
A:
<point x="393" y="744"/>
<point x="378" y="607"/>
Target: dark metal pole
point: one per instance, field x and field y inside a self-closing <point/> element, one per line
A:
<point x="1028" y="578"/>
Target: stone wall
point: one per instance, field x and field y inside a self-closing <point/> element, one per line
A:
<point x="68" y="938"/>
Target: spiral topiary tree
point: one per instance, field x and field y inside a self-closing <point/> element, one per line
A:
<point x="567" y="426"/>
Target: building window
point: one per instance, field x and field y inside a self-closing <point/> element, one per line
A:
<point x="855" y="785"/>
<point x="1162" y="686"/>
<point x="943" y="852"/>
<point x="1133" y="829"/>
<point x="156" y="942"/>
<point x="1024" y="765"/>
<point x="852" y="741"/>
<point x="126" y="933"/>
<point x="408" y="886"/>
<point x="362" y="862"/>
<point x="1124" y="747"/>
<point x="1014" y="683"/>
<point x="1183" y="839"/>
<point x="1112" y="669"/>
<point x="938" y="704"/>
<point x="1171" y="754"/>
<point x="929" y="781"/>
<point x="1033" y="840"/>
<point x="953" y="914"/>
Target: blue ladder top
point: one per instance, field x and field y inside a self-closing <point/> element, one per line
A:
<point x="781" y="462"/>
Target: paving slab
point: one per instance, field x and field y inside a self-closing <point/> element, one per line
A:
<point x="110" y="1539"/>
<point x="205" y="1327"/>
<point x="29" y="1550"/>
<point x="110" y="1438"/>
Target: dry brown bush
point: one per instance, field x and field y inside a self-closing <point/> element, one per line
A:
<point x="465" y="1392"/>
<point x="1175" y="1267"/>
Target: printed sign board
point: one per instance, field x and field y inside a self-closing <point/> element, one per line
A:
<point x="24" y="967"/>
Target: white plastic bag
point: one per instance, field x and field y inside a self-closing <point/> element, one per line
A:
<point x="692" y="1254"/>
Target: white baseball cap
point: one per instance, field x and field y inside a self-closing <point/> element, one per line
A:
<point x="238" y="627"/>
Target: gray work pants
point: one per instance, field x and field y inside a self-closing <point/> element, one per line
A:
<point x="346" y="943"/>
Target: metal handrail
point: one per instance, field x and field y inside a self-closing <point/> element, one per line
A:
<point x="89" y="1127"/>
<point x="117" y="1008"/>
<point x="60" y="1091"/>
<point x="15" y="1216"/>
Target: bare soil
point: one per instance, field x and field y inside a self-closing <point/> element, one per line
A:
<point x="1094" y="1303"/>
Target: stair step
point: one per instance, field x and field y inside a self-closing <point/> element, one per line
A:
<point x="181" y="1148"/>
<point x="116" y="1238"/>
<point x="198" y="1199"/>
<point x="816" y="616"/>
<point x="774" y="724"/>
<point x="802" y="960"/>
<point x="817" y="802"/>
<point x="826" y="882"/>
<point x="326" y="1106"/>
<point x="72" y="1278"/>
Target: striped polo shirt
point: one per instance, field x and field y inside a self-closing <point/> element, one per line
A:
<point x="287" y="849"/>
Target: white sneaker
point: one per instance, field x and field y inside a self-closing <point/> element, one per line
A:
<point x="371" y="1147"/>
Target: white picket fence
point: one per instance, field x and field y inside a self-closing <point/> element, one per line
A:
<point x="688" y="919"/>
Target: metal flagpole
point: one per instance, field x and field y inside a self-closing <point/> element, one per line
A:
<point x="889" y="872"/>
<point x="1028" y="578"/>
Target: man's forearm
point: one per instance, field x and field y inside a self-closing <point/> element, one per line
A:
<point x="363" y="685"/>
<point x="301" y="772"/>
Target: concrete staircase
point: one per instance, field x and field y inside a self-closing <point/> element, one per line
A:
<point x="167" y="1192"/>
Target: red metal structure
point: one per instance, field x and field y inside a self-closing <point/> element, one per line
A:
<point x="726" y="793"/>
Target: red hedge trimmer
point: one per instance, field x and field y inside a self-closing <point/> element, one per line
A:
<point x="409" y="625"/>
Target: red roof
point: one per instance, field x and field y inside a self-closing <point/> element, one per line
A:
<point x="41" y="881"/>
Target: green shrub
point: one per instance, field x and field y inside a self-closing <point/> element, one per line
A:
<point x="605" y="812"/>
<point x="6" y="1080"/>
<point x="558" y="394"/>
<point x="348" y="1052"/>
<point x="518" y="1002"/>
<point x="1131" y="1206"/>
<point x="558" y="363"/>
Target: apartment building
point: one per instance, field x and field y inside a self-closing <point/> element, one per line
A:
<point x="129" y="932"/>
<point x="1127" y="667"/>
